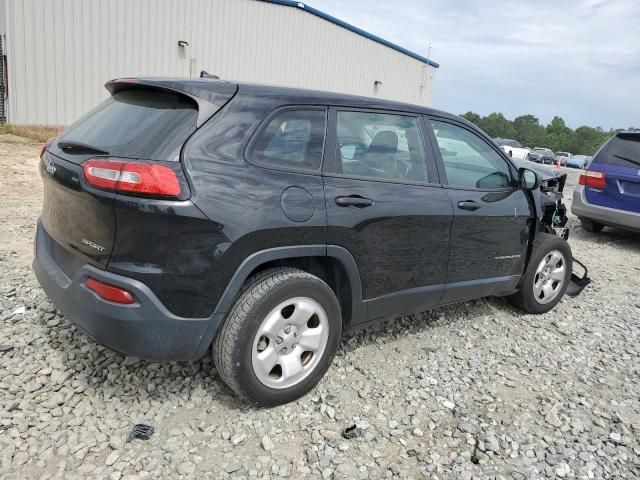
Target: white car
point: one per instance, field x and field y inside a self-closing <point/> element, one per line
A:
<point x="513" y="148"/>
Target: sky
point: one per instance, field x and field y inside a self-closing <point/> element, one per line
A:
<point x="577" y="59"/>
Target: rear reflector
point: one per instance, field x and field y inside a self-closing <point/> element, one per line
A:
<point x="109" y="292"/>
<point x="131" y="177"/>
<point x="592" y="179"/>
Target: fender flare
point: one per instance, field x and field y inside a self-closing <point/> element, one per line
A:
<point x="261" y="257"/>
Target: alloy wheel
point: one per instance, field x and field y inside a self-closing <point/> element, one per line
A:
<point x="290" y="342"/>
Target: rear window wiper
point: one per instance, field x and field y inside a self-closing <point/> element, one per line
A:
<point x="635" y="162"/>
<point x="78" y="147"/>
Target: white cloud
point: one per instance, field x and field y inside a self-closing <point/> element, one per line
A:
<point x="576" y="59"/>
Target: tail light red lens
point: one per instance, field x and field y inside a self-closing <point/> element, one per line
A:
<point x="45" y="146"/>
<point x="132" y="177"/>
<point x="109" y="292"/>
<point x="593" y="179"/>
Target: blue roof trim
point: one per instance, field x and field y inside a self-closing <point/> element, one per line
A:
<point x="359" y="31"/>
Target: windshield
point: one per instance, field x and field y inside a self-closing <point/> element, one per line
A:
<point x="136" y="124"/>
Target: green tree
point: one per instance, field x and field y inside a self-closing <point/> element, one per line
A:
<point x="559" y="136"/>
<point x="472" y="117"/>
<point x="528" y="131"/>
<point x="496" y="125"/>
<point x="556" y="136"/>
<point x="587" y="140"/>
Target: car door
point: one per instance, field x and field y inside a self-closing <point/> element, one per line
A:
<point x="386" y="207"/>
<point x="490" y="230"/>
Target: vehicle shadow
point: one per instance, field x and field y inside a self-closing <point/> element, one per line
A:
<point x="621" y="239"/>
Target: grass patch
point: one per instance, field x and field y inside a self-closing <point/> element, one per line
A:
<point x="37" y="133"/>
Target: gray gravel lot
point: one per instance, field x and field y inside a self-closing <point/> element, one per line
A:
<point x="478" y="390"/>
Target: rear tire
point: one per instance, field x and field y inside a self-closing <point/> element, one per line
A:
<point x="546" y="277"/>
<point x="591" y="226"/>
<point x="279" y="338"/>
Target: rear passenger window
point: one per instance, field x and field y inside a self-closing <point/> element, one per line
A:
<point x="380" y="146"/>
<point x="291" y="139"/>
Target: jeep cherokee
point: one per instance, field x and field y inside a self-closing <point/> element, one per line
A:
<point x="188" y="215"/>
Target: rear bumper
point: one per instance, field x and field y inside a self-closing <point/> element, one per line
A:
<point x="605" y="215"/>
<point x="144" y="329"/>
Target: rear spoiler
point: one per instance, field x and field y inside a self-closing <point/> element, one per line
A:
<point x="210" y="95"/>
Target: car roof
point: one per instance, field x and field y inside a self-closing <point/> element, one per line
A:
<point x="215" y="90"/>
<point x="303" y="95"/>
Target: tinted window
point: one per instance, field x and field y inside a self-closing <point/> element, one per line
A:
<point x="291" y="139"/>
<point x="137" y="124"/>
<point x="468" y="160"/>
<point x="622" y="150"/>
<point x="382" y="146"/>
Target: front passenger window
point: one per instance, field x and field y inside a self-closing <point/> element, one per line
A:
<point x="468" y="160"/>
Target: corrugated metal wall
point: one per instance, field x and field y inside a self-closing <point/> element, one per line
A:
<point x="60" y="52"/>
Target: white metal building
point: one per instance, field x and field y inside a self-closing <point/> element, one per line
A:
<point x="59" y="53"/>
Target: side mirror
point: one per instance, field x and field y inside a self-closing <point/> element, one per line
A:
<point x="527" y="179"/>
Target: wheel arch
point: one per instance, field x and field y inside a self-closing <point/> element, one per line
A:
<point x="332" y="263"/>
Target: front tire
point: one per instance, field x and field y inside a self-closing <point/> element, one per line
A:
<point x="279" y="338"/>
<point x="546" y="277"/>
<point x="590" y="225"/>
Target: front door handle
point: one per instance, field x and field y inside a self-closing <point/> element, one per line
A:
<point x="354" y="201"/>
<point x="469" y="205"/>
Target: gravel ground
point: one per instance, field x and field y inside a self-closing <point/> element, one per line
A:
<point x="478" y="390"/>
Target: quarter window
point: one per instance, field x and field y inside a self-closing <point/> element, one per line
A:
<point x="380" y="146"/>
<point x="291" y="139"/>
<point x="468" y="160"/>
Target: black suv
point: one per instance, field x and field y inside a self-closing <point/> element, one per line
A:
<point x="184" y="215"/>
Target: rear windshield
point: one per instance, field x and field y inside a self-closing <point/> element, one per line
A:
<point x="137" y="123"/>
<point x="623" y="150"/>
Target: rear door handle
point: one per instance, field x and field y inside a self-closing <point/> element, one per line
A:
<point x="468" y="205"/>
<point x="354" y="201"/>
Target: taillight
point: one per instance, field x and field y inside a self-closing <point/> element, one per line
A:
<point x="109" y="292"/>
<point x="132" y="177"/>
<point x="593" y="179"/>
<point x="45" y="146"/>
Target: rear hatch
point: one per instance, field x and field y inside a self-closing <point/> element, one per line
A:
<point x="142" y="123"/>
<point x="618" y="164"/>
